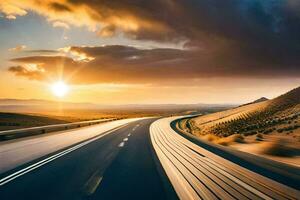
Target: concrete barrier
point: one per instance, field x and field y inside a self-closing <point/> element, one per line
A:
<point x="24" y="132"/>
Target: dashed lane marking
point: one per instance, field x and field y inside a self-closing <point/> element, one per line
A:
<point x="121" y="144"/>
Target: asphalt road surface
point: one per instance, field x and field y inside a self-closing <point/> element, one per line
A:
<point x="119" y="165"/>
<point x="131" y="159"/>
<point x="20" y="151"/>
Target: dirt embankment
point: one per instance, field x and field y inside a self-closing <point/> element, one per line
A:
<point x="269" y="128"/>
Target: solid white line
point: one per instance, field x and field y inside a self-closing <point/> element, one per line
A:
<point x="33" y="165"/>
<point x="21" y="172"/>
<point x="37" y="165"/>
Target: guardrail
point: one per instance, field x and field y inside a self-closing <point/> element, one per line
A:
<point x="24" y="132"/>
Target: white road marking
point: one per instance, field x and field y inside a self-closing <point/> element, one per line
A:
<point x="96" y="183"/>
<point x="121" y="144"/>
<point x="135" y="127"/>
<point x="125" y="139"/>
<point x="93" y="183"/>
<point x="30" y="168"/>
<point x="129" y="135"/>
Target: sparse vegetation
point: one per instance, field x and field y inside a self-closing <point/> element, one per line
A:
<point x="280" y="114"/>
<point x="269" y="128"/>
<point x="225" y="141"/>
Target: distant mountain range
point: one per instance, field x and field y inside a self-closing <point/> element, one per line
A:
<point x="36" y="105"/>
<point x="38" y="102"/>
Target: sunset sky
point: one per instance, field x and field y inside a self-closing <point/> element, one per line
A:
<point x="141" y="51"/>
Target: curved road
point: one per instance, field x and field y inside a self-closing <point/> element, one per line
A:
<point x="118" y="165"/>
<point x="126" y="159"/>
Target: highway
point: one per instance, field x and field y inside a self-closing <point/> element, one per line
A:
<point x="126" y="159"/>
<point x="20" y="151"/>
<point x="117" y="164"/>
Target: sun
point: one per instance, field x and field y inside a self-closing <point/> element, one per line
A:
<point x="59" y="88"/>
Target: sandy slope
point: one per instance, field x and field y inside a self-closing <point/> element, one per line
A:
<point x="270" y="128"/>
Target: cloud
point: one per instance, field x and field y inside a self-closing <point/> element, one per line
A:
<point x="77" y="55"/>
<point x="11" y="10"/>
<point x="42" y="51"/>
<point x="18" y="48"/>
<point x="131" y="65"/>
<point x="168" y="20"/>
<point x="246" y="38"/>
<point x="31" y="71"/>
<point x="102" y="16"/>
<point x="12" y="17"/>
<point x="59" y="7"/>
<point x="60" y="25"/>
<point x="107" y="31"/>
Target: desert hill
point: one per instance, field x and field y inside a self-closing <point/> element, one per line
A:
<point x="279" y="114"/>
<point x="14" y="121"/>
<point x="269" y="128"/>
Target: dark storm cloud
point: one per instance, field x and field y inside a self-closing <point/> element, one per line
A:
<point x="124" y="64"/>
<point x="42" y="59"/>
<point x="41" y="51"/>
<point x="59" y="7"/>
<point x="232" y="38"/>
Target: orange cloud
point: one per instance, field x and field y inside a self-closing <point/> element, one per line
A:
<point x="11" y="10"/>
<point x="31" y="71"/>
<point x="102" y="17"/>
<point x="77" y="55"/>
<point x="130" y="65"/>
<point x="224" y="38"/>
<point x="18" y="48"/>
